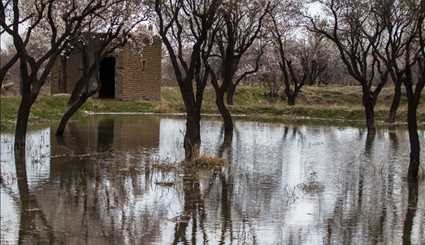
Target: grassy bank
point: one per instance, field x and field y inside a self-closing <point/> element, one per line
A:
<point x="51" y="108"/>
<point x="340" y="105"/>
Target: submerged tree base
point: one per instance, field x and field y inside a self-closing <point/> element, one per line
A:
<point x="206" y="161"/>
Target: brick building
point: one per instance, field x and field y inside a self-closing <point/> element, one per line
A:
<point x="125" y="75"/>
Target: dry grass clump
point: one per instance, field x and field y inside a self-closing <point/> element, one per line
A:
<point x="206" y="161"/>
<point x="164" y="167"/>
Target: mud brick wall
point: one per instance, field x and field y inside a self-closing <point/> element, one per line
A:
<point x="55" y="80"/>
<point x="139" y="77"/>
<point x="74" y="69"/>
<point x="136" y="77"/>
<point x="151" y="75"/>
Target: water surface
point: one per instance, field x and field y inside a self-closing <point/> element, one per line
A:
<point x="118" y="180"/>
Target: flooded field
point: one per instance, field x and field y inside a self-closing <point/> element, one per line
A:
<point x="119" y="180"/>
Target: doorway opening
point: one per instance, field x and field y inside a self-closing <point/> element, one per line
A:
<point x="107" y="78"/>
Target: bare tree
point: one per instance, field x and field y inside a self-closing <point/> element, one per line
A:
<point x="6" y="65"/>
<point x="297" y="67"/>
<point x="271" y="83"/>
<point x="240" y="28"/>
<point x="314" y="54"/>
<point x="295" y="64"/>
<point x="396" y="24"/>
<point x="402" y="52"/>
<point x="243" y="22"/>
<point x="10" y="73"/>
<point x="415" y="53"/>
<point x="188" y="23"/>
<point x="346" y="27"/>
<point x="7" y="20"/>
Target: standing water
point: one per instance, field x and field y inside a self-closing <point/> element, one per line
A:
<point x="119" y="180"/>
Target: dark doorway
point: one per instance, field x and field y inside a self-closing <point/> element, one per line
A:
<point x="107" y="78"/>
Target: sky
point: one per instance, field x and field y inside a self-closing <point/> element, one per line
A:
<point x="4" y="40"/>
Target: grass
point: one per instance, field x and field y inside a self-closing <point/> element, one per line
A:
<point x="205" y="161"/>
<point x="164" y="167"/>
<point x="50" y="108"/>
<point x="335" y="104"/>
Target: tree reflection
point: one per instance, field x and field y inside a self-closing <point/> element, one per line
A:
<point x="227" y="184"/>
<point x="225" y="148"/>
<point x="32" y="218"/>
<point x="412" y="206"/>
<point x="193" y="209"/>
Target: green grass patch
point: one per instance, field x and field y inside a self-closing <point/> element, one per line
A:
<point x="51" y="108"/>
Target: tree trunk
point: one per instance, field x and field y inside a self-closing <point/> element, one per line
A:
<point x="395" y="104"/>
<point x="72" y="109"/>
<point x="291" y="100"/>
<point x="412" y="125"/>
<point x="225" y="114"/>
<point x="231" y="94"/>
<point x="192" y="138"/>
<point x="21" y="176"/>
<point x="370" y="139"/>
<point x="369" y="106"/>
<point x="2" y="77"/>
<point x="77" y="90"/>
<point x="22" y="123"/>
<point x="24" y="197"/>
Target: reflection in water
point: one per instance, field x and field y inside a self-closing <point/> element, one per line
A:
<point x="105" y="134"/>
<point x="31" y="215"/>
<point x="412" y="206"/>
<point x="118" y="181"/>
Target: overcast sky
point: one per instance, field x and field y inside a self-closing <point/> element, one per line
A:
<point x="4" y="40"/>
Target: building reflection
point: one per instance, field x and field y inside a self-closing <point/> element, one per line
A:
<point x="104" y="134"/>
<point x="99" y="179"/>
